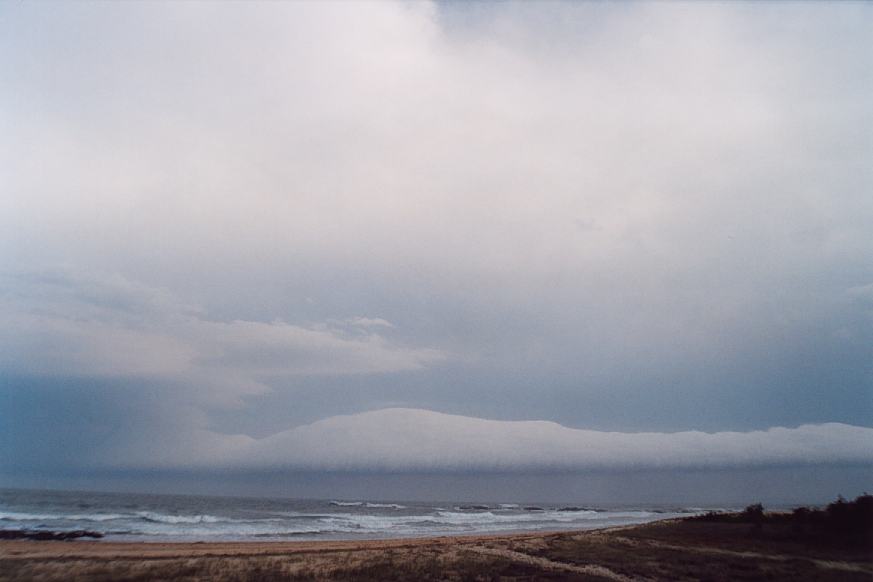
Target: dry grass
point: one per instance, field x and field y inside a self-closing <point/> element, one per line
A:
<point x="664" y="551"/>
<point x="374" y="566"/>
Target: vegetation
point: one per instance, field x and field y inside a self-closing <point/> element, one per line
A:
<point x="842" y="522"/>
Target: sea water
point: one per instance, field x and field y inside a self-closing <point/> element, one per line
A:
<point x="149" y="517"/>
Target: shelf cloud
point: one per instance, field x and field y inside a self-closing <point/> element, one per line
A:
<point x="423" y="441"/>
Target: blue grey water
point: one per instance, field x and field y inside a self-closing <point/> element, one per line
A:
<point x="151" y="517"/>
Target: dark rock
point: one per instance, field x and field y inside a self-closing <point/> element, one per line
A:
<point x="6" y="534"/>
<point x="24" y="534"/>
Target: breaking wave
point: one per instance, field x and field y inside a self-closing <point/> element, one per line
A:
<point x="131" y="517"/>
<point x="174" y="519"/>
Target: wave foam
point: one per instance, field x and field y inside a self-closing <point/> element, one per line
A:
<point x="174" y="519"/>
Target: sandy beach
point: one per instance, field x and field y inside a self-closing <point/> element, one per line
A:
<point x="667" y="550"/>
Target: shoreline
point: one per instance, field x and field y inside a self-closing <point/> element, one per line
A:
<point x="83" y="536"/>
<point x="668" y="549"/>
<point x="158" y="519"/>
<point x="240" y="547"/>
<point x="350" y="542"/>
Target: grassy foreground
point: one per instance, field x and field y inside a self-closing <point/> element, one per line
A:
<point x="716" y="549"/>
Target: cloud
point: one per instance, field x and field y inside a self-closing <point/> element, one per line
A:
<point x="280" y="348"/>
<point x="622" y="216"/>
<point x="368" y="322"/>
<point x="410" y="440"/>
<point x="377" y="153"/>
<point x="57" y="323"/>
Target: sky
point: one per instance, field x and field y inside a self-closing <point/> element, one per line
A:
<point x="435" y="244"/>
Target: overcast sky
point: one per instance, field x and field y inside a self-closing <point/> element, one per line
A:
<point x="377" y="236"/>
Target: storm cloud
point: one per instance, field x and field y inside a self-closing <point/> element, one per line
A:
<point x="404" y="440"/>
<point x="60" y="324"/>
<point x="245" y="228"/>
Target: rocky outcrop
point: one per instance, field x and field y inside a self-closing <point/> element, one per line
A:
<point x="24" y="534"/>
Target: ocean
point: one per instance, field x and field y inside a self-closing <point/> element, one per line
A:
<point x="151" y="517"/>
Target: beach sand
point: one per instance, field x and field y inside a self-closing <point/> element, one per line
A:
<point x="667" y="550"/>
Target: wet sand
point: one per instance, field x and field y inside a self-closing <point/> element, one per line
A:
<point x="667" y="550"/>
